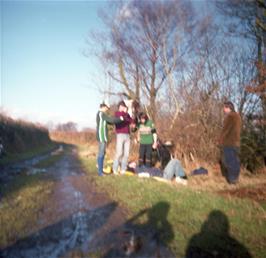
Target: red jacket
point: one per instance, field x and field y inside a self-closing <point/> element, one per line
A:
<point x="123" y="127"/>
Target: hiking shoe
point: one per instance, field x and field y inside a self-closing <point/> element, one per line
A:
<point x="180" y="180"/>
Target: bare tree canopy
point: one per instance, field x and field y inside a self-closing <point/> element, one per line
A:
<point x="248" y="20"/>
<point x="144" y="35"/>
<point x="181" y="64"/>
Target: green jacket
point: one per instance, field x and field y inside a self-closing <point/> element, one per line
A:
<point x="102" y="120"/>
<point x="146" y="132"/>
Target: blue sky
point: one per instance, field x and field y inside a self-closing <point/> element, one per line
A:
<point x="44" y="74"/>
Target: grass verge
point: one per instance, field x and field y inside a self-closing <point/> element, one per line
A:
<point x="24" y="198"/>
<point x="186" y="217"/>
<point x="11" y="158"/>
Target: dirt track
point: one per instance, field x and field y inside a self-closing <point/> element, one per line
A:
<point x="80" y="221"/>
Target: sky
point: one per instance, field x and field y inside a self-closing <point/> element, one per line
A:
<point x="45" y="77"/>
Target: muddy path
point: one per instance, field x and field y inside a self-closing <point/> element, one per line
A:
<point x="78" y="221"/>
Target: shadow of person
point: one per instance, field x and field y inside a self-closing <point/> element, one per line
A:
<point x="146" y="234"/>
<point x="57" y="240"/>
<point x="157" y="222"/>
<point x="214" y="240"/>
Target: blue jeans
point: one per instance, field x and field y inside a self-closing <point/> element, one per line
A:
<point x="100" y="158"/>
<point x="231" y="163"/>
<point x="122" y="151"/>
<point x="173" y="168"/>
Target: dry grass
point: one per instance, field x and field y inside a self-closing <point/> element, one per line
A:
<point x="213" y="182"/>
<point x="250" y="186"/>
<point x="76" y="138"/>
<point x="87" y="151"/>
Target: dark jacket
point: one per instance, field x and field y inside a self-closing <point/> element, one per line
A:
<point x="230" y="135"/>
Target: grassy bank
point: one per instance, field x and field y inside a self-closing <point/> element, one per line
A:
<point x="16" y="157"/>
<point x="22" y="200"/>
<point x="20" y="205"/>
<point x="186" y="216"/>
<point x="21" y="139"/>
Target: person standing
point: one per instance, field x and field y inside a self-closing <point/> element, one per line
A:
<point x="148" y="140"/>
<point x="230" y="143"/>
<point x="102" y="119"/>
<point x="122" y="138"/>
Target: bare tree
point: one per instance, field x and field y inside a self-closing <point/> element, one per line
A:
<point x="214" y="69"/>
<point x="180" y="65"/>
<point x="142" y="36"/>
<point x="67" y="127"/>
<point x="248" y="20"/>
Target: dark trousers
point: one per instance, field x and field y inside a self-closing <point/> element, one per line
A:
<point x="145" y="154"/>
<point x="231" y="163"/>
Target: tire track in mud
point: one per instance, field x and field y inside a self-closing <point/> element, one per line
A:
<point x="78" y="219"/>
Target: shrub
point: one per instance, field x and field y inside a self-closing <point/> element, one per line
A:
<point x="19" y="136"/>
<point x="253" y="148"/>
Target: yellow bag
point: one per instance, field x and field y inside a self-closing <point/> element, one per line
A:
<point x="107" y="170"/>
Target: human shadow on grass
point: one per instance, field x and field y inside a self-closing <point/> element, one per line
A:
<point x="144" y="239"/>
<point x="57" y="240"/>
<point x="214" y="240"/>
